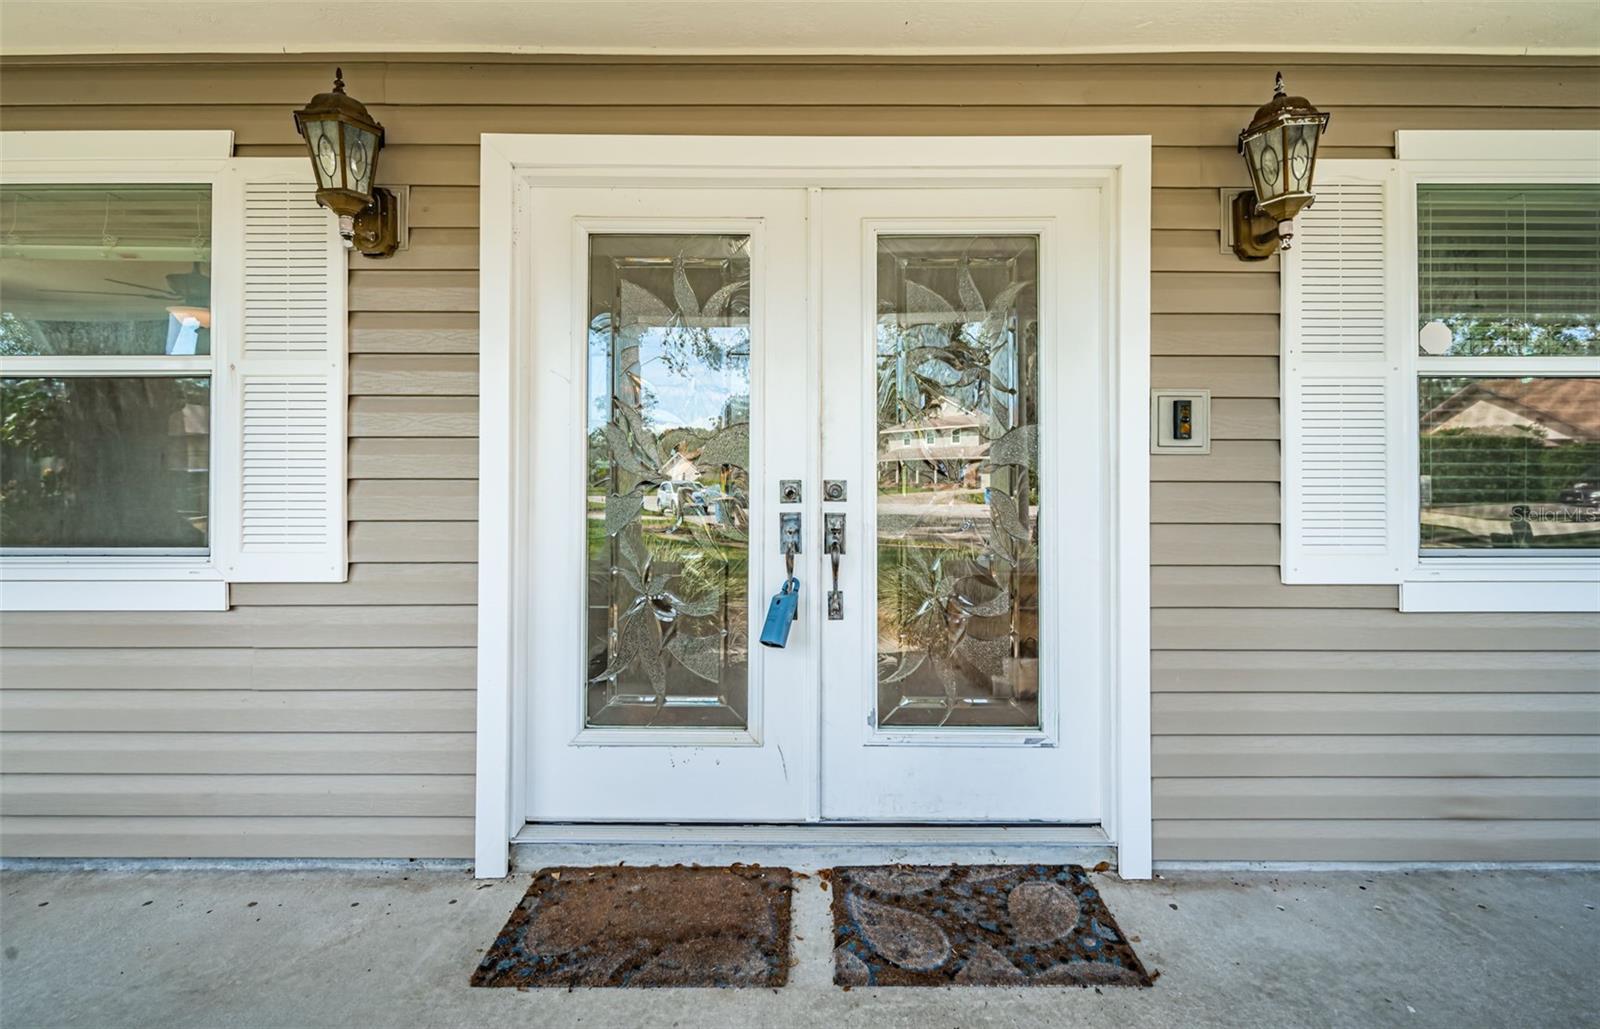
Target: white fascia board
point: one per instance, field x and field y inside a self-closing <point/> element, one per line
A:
<point x="1497" y="144"/>
<point x="121" y="146"/>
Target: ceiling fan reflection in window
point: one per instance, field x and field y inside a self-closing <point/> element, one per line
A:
<point x="187" y="298"/>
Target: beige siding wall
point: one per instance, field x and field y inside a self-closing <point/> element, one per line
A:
<point x="1290" y="722"/>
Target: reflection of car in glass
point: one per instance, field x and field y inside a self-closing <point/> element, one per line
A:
<point x="1583" y="494"/>
<point x="669" y="495"/>
<point x="710" y="500"/>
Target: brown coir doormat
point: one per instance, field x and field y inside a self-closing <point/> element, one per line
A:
<point x="976" y="925"/>
<point x="618" y="926"/>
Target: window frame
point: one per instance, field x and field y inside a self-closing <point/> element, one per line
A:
<point x="1488" y="581"/>
<point x="129" y="580"/>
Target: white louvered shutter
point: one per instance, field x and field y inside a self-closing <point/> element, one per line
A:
<point x="282" y="502"/>
<point x="1342" y="387"/>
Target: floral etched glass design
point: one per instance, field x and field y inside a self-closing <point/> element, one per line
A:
<point x="958" y="481"/>
<point x="668" y="452"/>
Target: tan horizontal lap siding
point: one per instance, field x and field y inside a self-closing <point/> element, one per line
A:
<point x="1294" y="723"/>
<point x="312" y="720"/>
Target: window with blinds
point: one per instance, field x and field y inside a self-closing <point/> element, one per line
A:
<point x="105" y="368"/>
<point x="1508" y="297"/>
<point x="1508" y="270"/>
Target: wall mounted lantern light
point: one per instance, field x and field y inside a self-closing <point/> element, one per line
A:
<point x="1280" y="149"/>
<point x="344" y="141"/>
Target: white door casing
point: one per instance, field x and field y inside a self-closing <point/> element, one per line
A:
<point x="1114" y="171"/>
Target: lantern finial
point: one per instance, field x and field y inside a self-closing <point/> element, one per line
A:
<point x="338" y="81"/>
<point x="1277" y="88"/>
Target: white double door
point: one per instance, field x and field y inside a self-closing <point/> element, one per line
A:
<point x="918" y="371"/>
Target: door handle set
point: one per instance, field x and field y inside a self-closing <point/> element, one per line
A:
<point x="784" y="610"/>
<point x="833" y="546"/>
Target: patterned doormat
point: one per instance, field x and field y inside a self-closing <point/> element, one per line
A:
<point x="976" y="925"/>
<point x="617" y="926"/>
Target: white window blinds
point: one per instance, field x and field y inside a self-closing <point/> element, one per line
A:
<point x="1509" y="269"/>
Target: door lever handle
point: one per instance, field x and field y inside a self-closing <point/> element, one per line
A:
<point x="833" y="546"/>
<point x="785" y="609"/>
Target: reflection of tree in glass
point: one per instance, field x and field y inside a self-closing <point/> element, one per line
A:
<point x="108" y="462"/>
<point x="688" y="343"/>
<point x="677" y="576"/>
<point x="1477" y="337"/>
<point x="960" y="615"/>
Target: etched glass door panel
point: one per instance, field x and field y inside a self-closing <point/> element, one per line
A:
<point x="957" y="532"/>
<point x="667" y="463"/>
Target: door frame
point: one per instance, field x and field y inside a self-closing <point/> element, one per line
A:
<point x="512" y="164"/>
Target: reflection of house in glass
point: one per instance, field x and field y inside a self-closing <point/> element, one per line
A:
<point x="1556" y="410"/>
<point x="1512" y="462"/>
<point x="942" y="447"/>
<point x="680" y="468"/>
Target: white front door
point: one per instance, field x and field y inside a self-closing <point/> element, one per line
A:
<point x="924" y="367"/>
<point x="960" y="386"/>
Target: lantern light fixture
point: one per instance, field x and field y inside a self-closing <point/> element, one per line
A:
<point x="1280" y="150"/>
<point x="343" y="141"/>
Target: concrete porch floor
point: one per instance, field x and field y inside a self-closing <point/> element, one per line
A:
<point x="394" y="947"/>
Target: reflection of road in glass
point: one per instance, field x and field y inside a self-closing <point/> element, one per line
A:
<point x="957" y="628"/>
<point x="1530" y="525"/>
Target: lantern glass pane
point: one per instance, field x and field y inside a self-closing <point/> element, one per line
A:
<point x="322" y="137"/>
<point x="1302" y="155"/>
<point x="1265" y="156"/>
<point x="360" y="157"/>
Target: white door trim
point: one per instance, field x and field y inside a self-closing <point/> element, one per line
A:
<point x="512" y="163"/>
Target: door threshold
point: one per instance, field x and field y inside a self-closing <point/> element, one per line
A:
<point x="808" y="846"/>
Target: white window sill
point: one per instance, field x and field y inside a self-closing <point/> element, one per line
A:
<point x="111" y="584"/>
<point x="1503" y="595"/>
